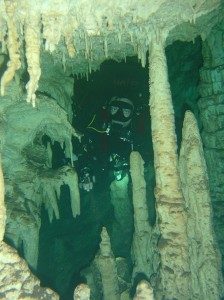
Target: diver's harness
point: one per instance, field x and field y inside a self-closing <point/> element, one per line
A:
<point x="119" y="164"/>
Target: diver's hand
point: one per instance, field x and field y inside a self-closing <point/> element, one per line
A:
<point x="87" y="180"/>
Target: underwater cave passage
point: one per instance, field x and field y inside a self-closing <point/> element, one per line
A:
<point x="103" y="154"/>
<point x="111" y="110"/>
<point x="111" y="138"/>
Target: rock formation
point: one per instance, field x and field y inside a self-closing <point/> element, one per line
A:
<point x="31" y="182"/>
<point x="205" y="260"/>
<point x="82" y="292"/>
<point x="108" y="277"/>
<point x="169" y="199"/>
<point x="60" y="29"/>
<point x="144" y="291"/>
<point x="211" y="105"/>
<point x="44" y="45"/>
<point x="121" y="236"/>
<point x="144" y="251"/>
<point x="106" y="264"/>
<point x="16" y="280"/>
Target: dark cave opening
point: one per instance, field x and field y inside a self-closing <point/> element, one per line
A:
<point x="69" y="245"/>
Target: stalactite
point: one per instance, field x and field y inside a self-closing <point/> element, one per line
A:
<point x="173" y="248"/>
<point x="50" y="197"/>
<point x="69" y="41"/>
<point x="91" y="50"/>
<point x="105" y="47"/>
<point x="68" y="32"/>
<point x="131" y="37"/>
<point x="143" y="247"/>
<point x="30" y="243"/>
<point x="205" y="259"/>
<point x="119" y="37"/>
<point x="52" y="18"/>
<point x="2" y="204"/>
<point x="12" y="44"/>
<point x="107" y="267"/>
<point x="32" y="38"/>
<point x="86" y="46"/>
<point x="63" y="61"/>
<point x="51" y="189"/>
<point x="70" y="46"/>
<point x="49" y="155"/>
<point x="144" y="291"/>
<point x="71" y="179"/>
<point x="3" y="26"/>
<point x="71" y="153"/>
<point x="143" y="57"/>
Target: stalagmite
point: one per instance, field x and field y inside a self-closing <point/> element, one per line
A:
<point x="32" y="38"/>
<point x="2" y="204"/>
<point x="174" y="278"/>
<point x="144" y="291"/>
<point x="107" y="266"/>
<point x="122" y="229"/>
<point x="93" y="277"/>
<point x="82" y="292"/>
<point x="143" y="246"/>
<point x="12" y="44"/>
<point x="205" y="260"/>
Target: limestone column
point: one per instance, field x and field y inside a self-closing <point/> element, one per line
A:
<point x="171" y="215"/>
<point x="205" y="258"/>
<point x="107" y="266"/>
<point x="2" y="204"/>
<point x="144" y="242"/>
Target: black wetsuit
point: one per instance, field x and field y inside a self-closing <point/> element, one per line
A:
<point x="105" y="147"/>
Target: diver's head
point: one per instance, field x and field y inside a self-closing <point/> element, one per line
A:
<point x="121" y="111"/>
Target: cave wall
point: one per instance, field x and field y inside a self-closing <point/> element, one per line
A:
<point x="211" y="106"/>
<point x="27" y="166"/>
<point x="184" y="60"/>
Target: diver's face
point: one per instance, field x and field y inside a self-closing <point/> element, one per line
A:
<point x="126" y="112"/>
<point x="121" y="110"/>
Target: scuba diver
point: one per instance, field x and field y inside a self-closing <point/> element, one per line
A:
<point x="107" y="142"/>
<point x="112" y="112"/>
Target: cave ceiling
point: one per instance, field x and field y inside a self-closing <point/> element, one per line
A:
<point x="77" y="36"/>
